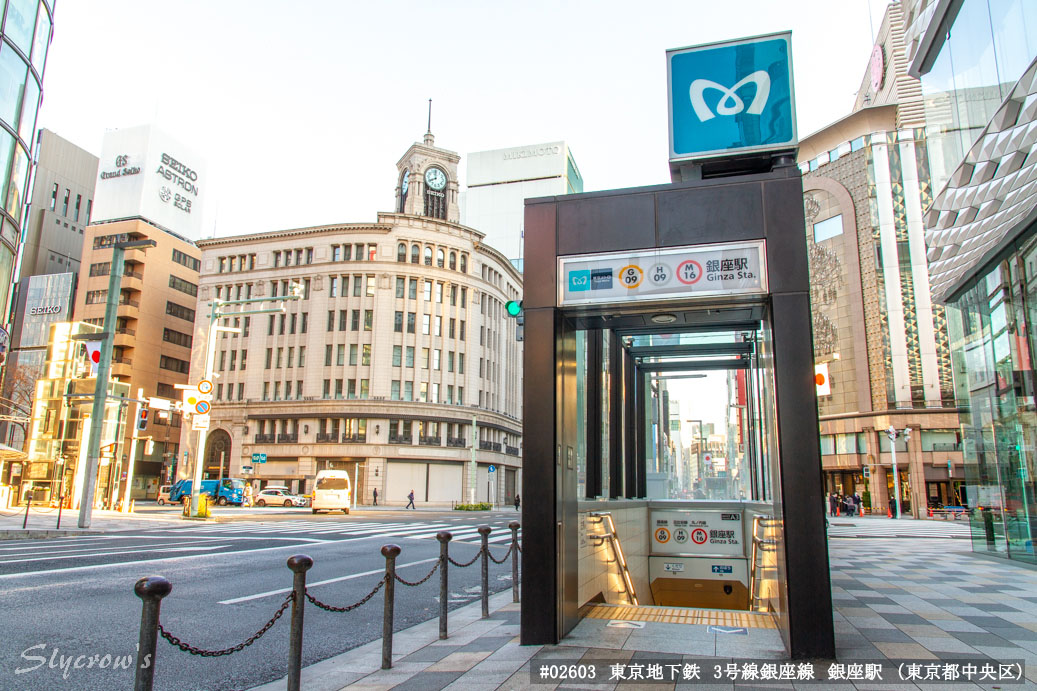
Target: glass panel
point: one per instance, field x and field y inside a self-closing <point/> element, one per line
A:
<point x="21" y="20"/>
<point x="12" y="84"/>
<point x="829" y="228"/>
<point x="6" y="151"/>
<point x="40" y="43"/>
<point x="19" y="178"/>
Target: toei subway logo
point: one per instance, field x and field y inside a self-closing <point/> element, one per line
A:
<point x="730" y="102"/>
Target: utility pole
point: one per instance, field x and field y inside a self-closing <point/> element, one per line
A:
<point x="893" y="433"/>
<point x="111" y="307"/>
<point x="472" y="467"/>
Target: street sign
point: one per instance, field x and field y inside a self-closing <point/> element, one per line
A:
<point x="199" y="422"/>
<point x="204" y="387"/>
<point x="491" y="469"/>
<point x="259" y="458"/>
<point x="246" y="469"/>
<point x="202" y="407"/>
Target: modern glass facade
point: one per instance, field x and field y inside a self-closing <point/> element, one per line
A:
<point x="982" y="52"/>
<point x="993" y="347"/>
<point x="26" y="33"/>
<point x="978" y="63"/>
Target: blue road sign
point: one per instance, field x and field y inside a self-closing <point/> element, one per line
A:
<point x="259" y="458"/>
<point x="731" y="97"/>
<point x="491" y="469"/>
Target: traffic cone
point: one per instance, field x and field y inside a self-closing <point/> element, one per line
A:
<point x="889" y="512"/>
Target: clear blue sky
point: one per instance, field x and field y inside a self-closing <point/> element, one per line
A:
<point x="302" y="109"/>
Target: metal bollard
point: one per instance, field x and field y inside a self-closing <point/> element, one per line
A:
<point x="61" y="503"/>
<point x="28" y="504"/>
<point x="150" y="590"/>
<point x="390" y="552"/>
<point x="299" y="564"/>
<point x="514" y="525"/>
<point x="484" y="530"/>
<point x="444" y="587"/>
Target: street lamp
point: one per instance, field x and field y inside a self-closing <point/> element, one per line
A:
<point x="893" y="433"/>
<point x="216" y="312"/>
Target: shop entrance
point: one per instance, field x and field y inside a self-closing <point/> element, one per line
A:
<point x="670" y="414"/>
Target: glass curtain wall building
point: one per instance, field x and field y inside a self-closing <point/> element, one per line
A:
<point x="26" y="34"/>
<point x="978" y="63"/>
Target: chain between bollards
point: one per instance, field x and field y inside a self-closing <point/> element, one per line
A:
<point x="484" y="531"/>
<point x="390" y="552"/>
<point x="150" y="590"/>
<point x="514" y="525"/>
<point x="444" y="586"/>
<point x="299" y="565"/>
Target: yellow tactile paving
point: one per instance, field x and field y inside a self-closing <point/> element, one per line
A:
<point x="683" y="615"/>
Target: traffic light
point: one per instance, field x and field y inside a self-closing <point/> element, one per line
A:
<point x="149" y="447"/>
<point x="142" y="420"/>
<point x="514" y="309"/>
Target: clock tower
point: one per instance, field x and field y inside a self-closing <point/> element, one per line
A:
<point x="426" y="181"/>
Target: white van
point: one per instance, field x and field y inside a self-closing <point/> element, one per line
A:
<point x="332" y="491"/>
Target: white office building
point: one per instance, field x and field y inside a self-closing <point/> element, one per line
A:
<point x="499" y="182"/>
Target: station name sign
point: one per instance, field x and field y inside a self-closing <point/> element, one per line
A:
<point x="695" y="271"/>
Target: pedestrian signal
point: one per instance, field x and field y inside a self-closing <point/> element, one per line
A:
<point x="142" y="420"/>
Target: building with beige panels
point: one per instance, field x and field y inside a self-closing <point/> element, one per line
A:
<point x="153" y="331"/>
<point x="877" y="332"/>
<point x="399" y="350"/>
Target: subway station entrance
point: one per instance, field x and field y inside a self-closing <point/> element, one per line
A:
<point x="670" y="417"/>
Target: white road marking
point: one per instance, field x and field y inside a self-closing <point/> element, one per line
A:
<point x="134" y="551"/>
<point x="93" y="567"/>
<point x="234" y="601"/>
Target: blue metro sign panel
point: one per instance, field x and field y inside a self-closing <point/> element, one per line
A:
<point x="732" y="97"/>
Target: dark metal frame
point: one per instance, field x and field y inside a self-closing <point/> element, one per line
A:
<point x="747" y="207"/>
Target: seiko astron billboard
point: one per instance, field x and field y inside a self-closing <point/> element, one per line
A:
<point x="143" y="172"/>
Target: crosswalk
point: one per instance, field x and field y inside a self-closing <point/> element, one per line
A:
<point x="898" y="528"/>
<point x="465" y="533"/>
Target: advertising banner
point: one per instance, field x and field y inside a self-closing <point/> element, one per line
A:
<point x="706" y="533"/>
<point x="145" y="173"/>
<point x="736" y="268"/>
<point x="731" y="97"/>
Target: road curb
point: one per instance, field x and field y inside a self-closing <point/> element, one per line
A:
<point x="38" y="534"/>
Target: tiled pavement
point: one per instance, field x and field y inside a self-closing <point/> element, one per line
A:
<point x="896" y="598"/>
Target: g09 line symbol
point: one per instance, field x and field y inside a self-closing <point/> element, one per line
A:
<point x="631" y="276"/>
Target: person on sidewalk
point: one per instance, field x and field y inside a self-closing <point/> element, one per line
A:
<point x="248" y="495"/>
<point x="375" y="492"/>
<point x="410" y="504"/>
<point x="518" y="502"/>
<point x="892" y="507"/>
<point x="832" y="502"/>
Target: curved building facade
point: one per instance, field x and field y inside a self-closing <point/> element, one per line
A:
<point x="398" y="364"/>
<point x="27" y="28"/>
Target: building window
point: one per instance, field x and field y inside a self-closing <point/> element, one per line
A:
<point x="177" y="283"/>
<point x="440" y="258"/>
<point x="401" y="252"/>
<point x="394" y="392"/>
<point x="370" y="286"/>
<point x="397" y="326"/>
<point x="54" y="197"/>
<point x="415" y="254"/>
<point x="464" y="266"/>
<point x="174" y="364"/>
<point x="426" y="324"/>
<point x="354" y="320"/>
<point x="79" y="201"/>
<point x="410" y="356"/>
<point x="410" y="322"/>
<point x="368" y="320"/>
<point x="190" y="262"/>
<point x="176" y="337"/>
<point x="412" y="289"/>
<point x="401" y="285"/>
<point x="332" y="286"/>
<point x="453" y="261"/>
<point x="179" y="311"/>
<point x="64" y="204"/>
<point x="397" y="355"/>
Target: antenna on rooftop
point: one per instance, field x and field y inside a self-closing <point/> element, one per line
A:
<point x="429" y="115"/>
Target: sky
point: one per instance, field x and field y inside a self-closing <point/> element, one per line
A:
<point x="303" y="109"/>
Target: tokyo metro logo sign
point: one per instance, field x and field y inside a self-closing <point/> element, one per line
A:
<point x="730" y="103"/>
<point x="731" y="97"/>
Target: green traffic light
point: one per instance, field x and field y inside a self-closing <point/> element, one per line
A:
<point x="514" y="307"/>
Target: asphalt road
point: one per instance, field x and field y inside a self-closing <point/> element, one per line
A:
<point x="65" y="598"/>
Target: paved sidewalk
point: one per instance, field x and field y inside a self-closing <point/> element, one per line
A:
<point x="897" y="598"/>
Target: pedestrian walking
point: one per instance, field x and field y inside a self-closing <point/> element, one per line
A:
<point x="851" y="505"/>
<point x="859" y="503"/>
<point x="518" y="502"/>
<point x="892" y="507"/>
<point x="410" y="504"/>
<point x="832" y="503"/>
<point x="248" y="494"/>
<point x="375" y="492"/>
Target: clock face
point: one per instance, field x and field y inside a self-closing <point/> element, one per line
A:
<point x="405" y="182"/>
<point x="435" y="179"/>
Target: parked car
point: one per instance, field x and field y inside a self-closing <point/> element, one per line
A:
<point x="277" y="496"/>
<point x="232" y="491"/>
<point x="163" y="495"/>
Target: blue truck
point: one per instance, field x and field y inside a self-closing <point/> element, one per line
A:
<point x="232" y="491"/>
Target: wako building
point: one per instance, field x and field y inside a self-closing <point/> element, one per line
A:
<point x="977" y="60"/>
<point x="499" y="182"/>
<point x="398" y="359"/>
